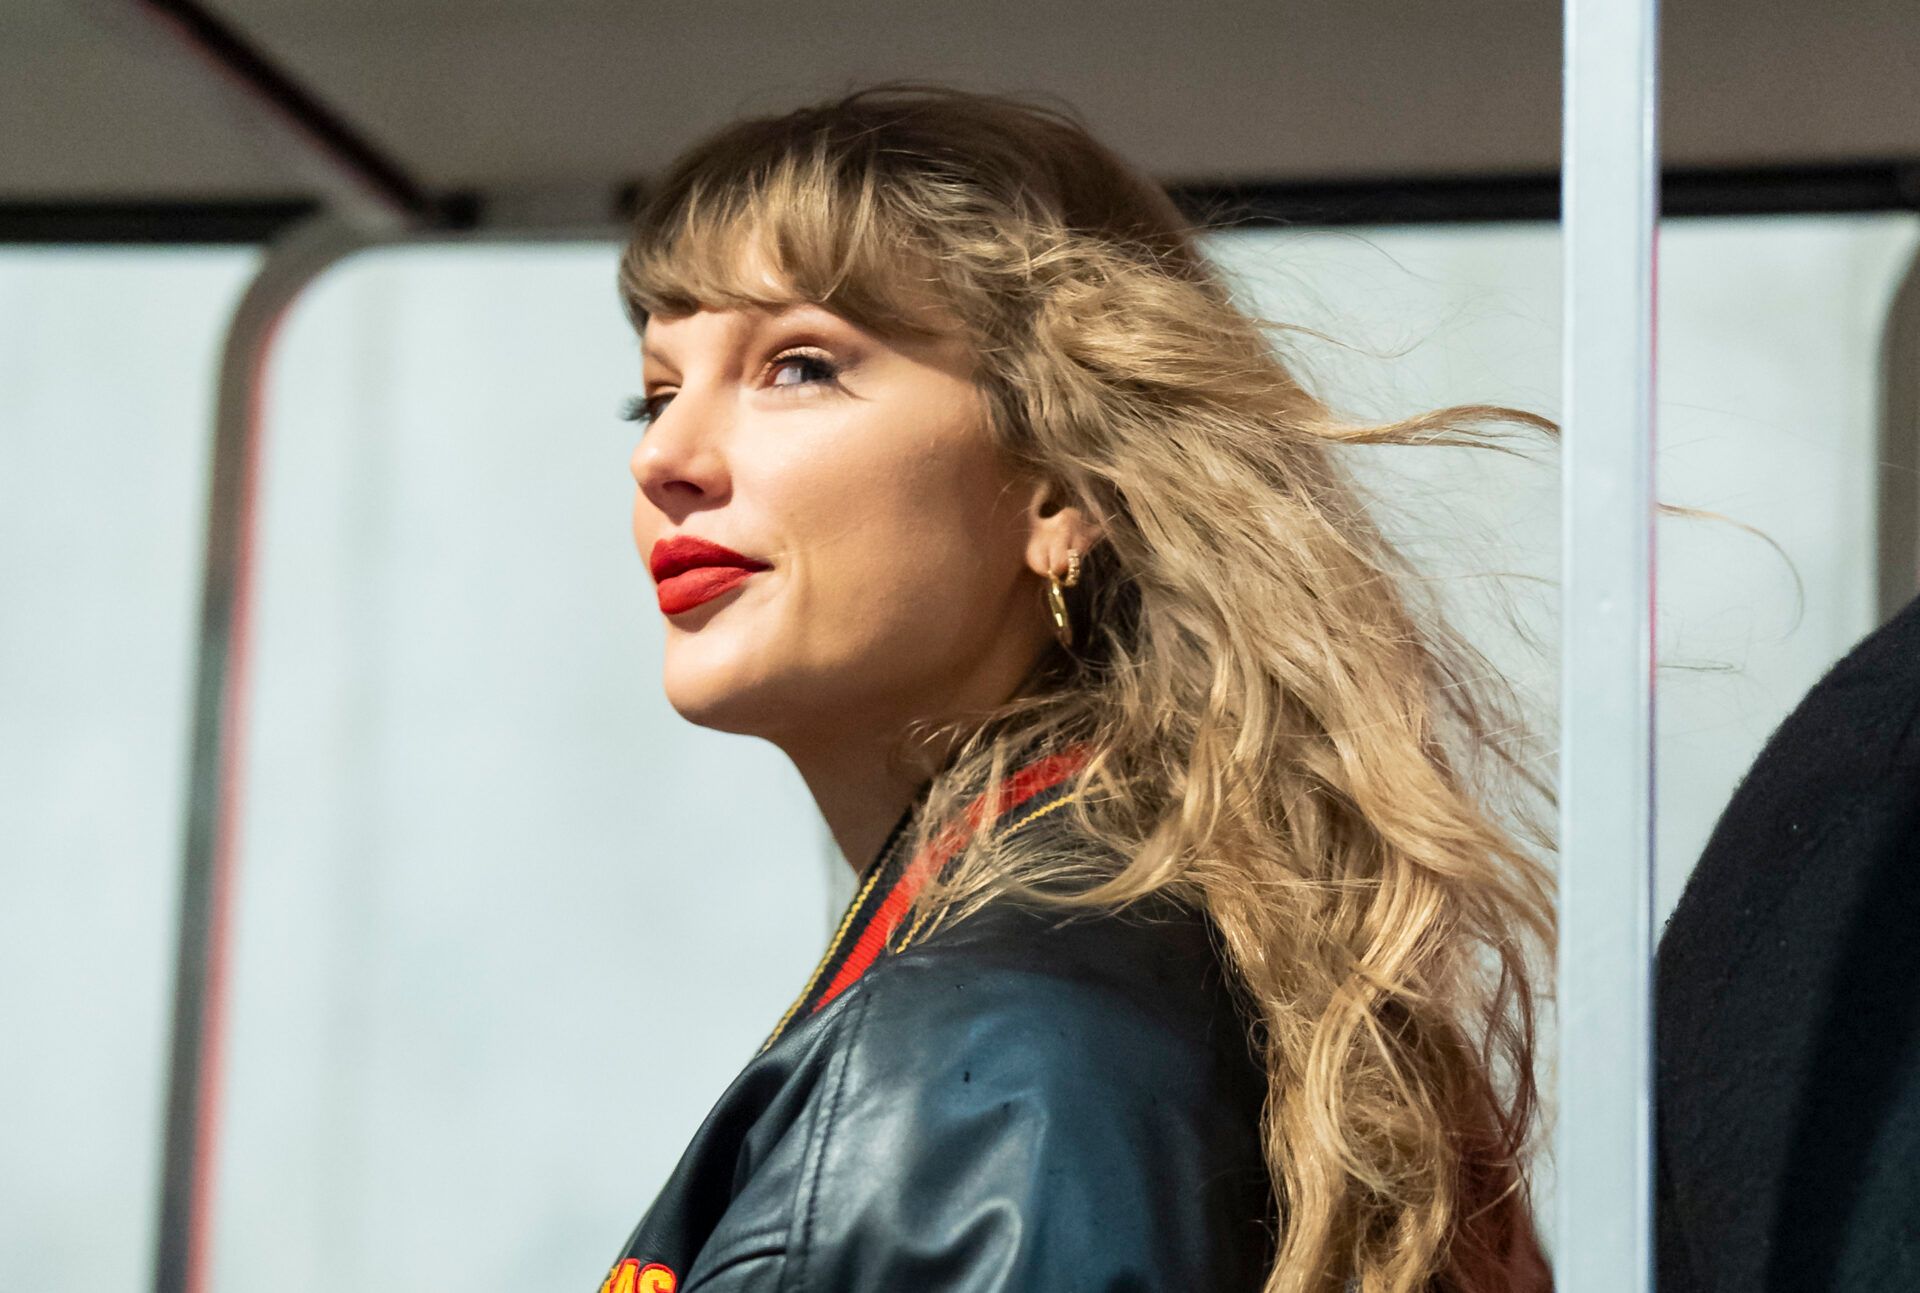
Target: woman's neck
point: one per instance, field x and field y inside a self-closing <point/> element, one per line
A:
<point x="861" y="792"/>
<point x="863" y="781"/>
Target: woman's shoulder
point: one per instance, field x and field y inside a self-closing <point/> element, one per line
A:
<point x="1084" y="1083"/>
<point x="1074" y="1002"/>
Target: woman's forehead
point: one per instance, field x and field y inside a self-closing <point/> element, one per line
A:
<point x="722" y="323"/>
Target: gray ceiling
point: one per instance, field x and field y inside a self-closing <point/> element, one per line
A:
<point x="98" y="103"/>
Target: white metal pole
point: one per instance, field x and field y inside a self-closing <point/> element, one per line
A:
<point x="1609" y="205"/>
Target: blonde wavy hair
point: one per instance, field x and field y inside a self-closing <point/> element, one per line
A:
<point x="1282" y="730"/>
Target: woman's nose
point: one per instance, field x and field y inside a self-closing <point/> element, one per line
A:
<point x="680" y="462"/>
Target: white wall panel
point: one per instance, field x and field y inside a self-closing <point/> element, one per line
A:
<point x="106" y="404"/>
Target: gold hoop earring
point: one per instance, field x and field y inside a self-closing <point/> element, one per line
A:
<point x="1057" y="599"/>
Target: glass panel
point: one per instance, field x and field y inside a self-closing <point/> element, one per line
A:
<point x="1768" y="401"/>
<point x="1768" y="368"/>
<point x="107" y="377"/>
<point x="506" y="924"/>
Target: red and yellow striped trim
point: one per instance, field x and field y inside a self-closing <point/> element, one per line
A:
<point x="871" y="939"/>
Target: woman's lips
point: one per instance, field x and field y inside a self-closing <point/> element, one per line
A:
<point x="685" y="591"/>
<point x="691" y="570"/>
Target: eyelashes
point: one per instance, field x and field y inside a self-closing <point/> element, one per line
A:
<point x="641" y="408"/>
<point x="816" y="366"/>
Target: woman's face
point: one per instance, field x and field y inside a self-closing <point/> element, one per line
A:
<point x="892" y="554"/>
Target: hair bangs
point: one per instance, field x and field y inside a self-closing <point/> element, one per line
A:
<point x="811" y="228"/>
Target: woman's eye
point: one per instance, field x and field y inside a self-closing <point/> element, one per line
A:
<point x="802" y="369"/>
<point x="644" y="409"/>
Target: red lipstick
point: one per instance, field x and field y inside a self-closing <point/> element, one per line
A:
<point x="690" y="571"/>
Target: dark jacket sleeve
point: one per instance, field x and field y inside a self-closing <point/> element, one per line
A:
<point x="1000" y="1127"/>
<point x="1788" y="1063"/>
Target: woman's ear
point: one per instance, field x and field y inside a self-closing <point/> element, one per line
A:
<point x="1056" y="527"/>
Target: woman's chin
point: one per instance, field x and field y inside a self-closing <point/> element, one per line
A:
<point x="722" y="695"/>
<point x="708" y="706"/>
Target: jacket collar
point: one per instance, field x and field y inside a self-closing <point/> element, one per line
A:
<point x="892" y="880"/>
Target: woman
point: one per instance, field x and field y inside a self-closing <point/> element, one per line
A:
<point x="1189" y="949"/>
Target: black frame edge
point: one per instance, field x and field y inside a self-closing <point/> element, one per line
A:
<point x="1884" y="185"/>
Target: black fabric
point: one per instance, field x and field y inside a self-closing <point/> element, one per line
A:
<point x="1016" y="1102"/>
<point x="1788" y="1026"/>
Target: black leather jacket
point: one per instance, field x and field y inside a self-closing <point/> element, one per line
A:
<point x="1011" y="1103"/>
